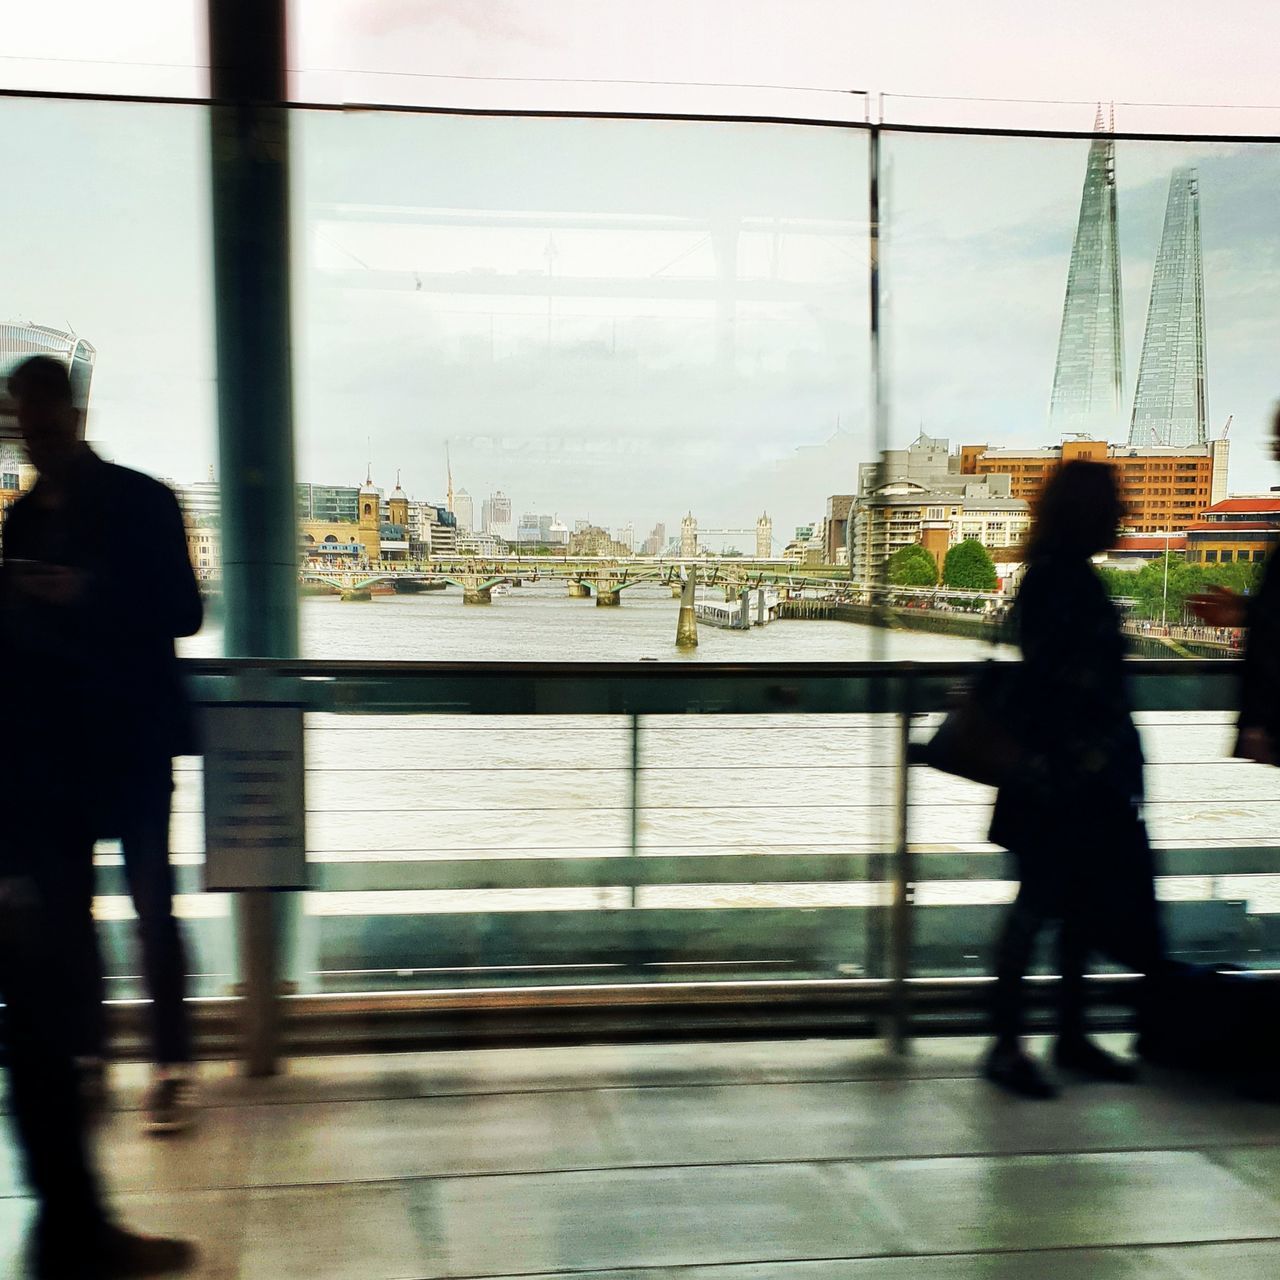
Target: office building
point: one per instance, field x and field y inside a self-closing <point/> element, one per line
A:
<point x="464" y="508"/>
<point x="495" y="516"/>
<point x="1164" y="487"/>
<point x="332" y="503"/>
<point x="656" y="543"/>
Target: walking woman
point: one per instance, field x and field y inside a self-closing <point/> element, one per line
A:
<point x="1073" y="821"/>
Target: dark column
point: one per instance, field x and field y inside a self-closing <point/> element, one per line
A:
<point x="249" y="155"/>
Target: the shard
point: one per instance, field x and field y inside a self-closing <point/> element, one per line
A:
<point x="1088" y="379"/>
<point x="1170" y="406"/>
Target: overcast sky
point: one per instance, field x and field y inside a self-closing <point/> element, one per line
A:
<point x="658" y="370"/>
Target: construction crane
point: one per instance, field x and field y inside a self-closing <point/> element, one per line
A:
<point x="1227" y="429"/>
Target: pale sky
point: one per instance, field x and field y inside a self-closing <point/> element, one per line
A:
<point x="615" y="398"/>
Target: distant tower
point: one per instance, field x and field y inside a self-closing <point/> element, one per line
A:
<point x="448" y="466"/>
<point x="398" y="505"/>
<point x="764" y="538"/>
<point x="689" y="537"/>
<point x="1170" y="406"/>
<point x="1088" y="378"/>
<point x="369" y="520"/>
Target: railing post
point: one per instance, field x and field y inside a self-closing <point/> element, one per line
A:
<point x="249" y="170"/>
<point x="635" y="799"/>
<point x="901" y="920"/>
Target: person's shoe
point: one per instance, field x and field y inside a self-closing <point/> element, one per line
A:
<point x="1015" y="1073"/>
<point x="1080" y="1055"/>
<point x="169" y="1107"/>
<point x="116" y="1254"/>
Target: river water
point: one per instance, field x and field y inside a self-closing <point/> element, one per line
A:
<point x="405" y="789"/>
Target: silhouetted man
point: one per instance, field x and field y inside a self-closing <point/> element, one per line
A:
<point x="40" y="752"/>
<point x="97" y="558"/>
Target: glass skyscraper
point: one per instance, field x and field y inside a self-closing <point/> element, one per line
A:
<point x="1088" y="378"/>
<point x="1170" y="406"/>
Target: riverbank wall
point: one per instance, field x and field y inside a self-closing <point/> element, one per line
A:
<point x="971" y="626"/>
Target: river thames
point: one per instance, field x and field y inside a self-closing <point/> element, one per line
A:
<point x="408" y="788"/>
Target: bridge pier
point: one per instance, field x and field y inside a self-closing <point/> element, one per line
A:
<point x="676" y="590"/>
<point x="608" y="598"/>
<point x="578" y="590"/>
<point x="357" y="595"/>
<point x="687" y="622"/>
<point x="477" y="595"/>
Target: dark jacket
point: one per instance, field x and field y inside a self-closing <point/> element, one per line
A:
<point x="1075" y="716"/>
<point x="1260" y="694"/>
<point x="104" y="666"/>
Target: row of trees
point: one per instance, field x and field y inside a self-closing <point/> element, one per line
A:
<point x="968" y="567"/>
<point x="1146" y="587"/>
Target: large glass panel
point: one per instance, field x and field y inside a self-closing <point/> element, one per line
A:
<point x="107" y="264"/>
<point x="1106" y="297"/>
<point x="612" y="346"/>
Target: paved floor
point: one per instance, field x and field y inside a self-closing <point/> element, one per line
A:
<point x="813" y="1160"/>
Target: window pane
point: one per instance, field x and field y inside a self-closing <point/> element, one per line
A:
<point x="602" y="327"/>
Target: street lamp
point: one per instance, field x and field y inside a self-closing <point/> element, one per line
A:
<point x="1164" y="605"/>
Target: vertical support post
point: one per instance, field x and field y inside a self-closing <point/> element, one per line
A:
<point x="879" y="414"/>
<point x="901" y="906"/>
<point x="635" y="798"/>
<point x="249" y="159"/>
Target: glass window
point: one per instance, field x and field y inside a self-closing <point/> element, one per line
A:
<point x="581" y="323"/>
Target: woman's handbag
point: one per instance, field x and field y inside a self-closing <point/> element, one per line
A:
<point x="978" y="740"/>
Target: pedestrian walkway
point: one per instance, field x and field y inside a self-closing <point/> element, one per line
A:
<point x="813" y="1160"/>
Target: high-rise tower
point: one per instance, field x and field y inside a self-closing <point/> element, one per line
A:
<point x="1088" y="378"/>
<point x="1170" y="406"/>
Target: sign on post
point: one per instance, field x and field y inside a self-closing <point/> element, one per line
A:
<point x="254" y="800"/>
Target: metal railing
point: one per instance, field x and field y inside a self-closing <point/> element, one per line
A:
<point x="658" y="840"/>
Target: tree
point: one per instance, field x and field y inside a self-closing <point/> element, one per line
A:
<point x="969" y="567"/>
<point x="1153" y="600"/>
<point x="912" y="566"/>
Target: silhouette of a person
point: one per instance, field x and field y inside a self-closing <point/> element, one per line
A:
<point x="40" y="753"/>
<point x="97" y="561"/>
<point x="1074" y="823"/>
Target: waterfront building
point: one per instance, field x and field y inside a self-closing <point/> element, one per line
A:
<point x="1170" y="405"/>
<point x="903" y="513"/>
<point x="596" y="542"/>
<point x="1237" y="530"/>
<point x="926" y="461"/>
<point x="529" y="529"/>
<point x="1088" y="375"/>
<point x="200" y="502"/>
<point x="488" y="546"/>
<point x="330" y="541"/>
<point x="1133" y="550"/>
<point x="335" y="503"/>
<point x="1164" y="487"/>
<point x="839" y="508"/>
<point x="558" y="533"/>
<point x="204" y="549"/>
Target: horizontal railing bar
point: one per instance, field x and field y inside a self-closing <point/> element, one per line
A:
<point x="621" y="870"/>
